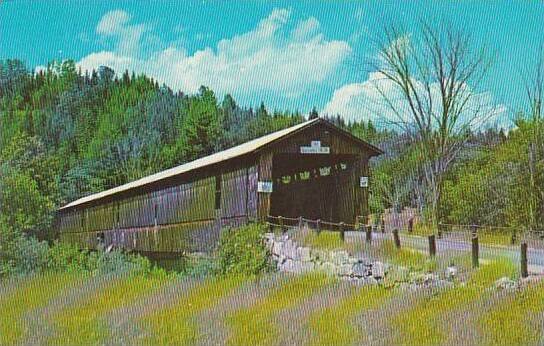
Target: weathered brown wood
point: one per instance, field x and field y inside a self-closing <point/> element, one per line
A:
<point x="523" y="257"/>
<point x="368" y="234"/>
<point x="150" y="217"/>
<point x="432" y="245"/>
<point x="264" y="175"/>
<point x="475" y="252"/>
<point x="396" y="238"/>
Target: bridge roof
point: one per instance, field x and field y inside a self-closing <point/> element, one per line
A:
<point x="228" y="154"/>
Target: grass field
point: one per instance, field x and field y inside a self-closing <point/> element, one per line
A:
<point x="63" y="309"/>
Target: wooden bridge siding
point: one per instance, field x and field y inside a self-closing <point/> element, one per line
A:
<point x="196" y="236"/>
<point x="188" y="207"/>
<point x="235" y="198"/>
<point x="264" y="174"/>
<point x="186" y="215"/>
<point x="361" y="207"/>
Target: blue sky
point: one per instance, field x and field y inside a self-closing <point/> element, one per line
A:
<point x="290" y="54"/>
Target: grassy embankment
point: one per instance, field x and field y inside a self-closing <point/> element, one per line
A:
<point x="32" y="293"/>
<point x="255" y="325"/>
<point x="516" y="320"/>
<point x="177" y="325"/>
<point x="86" y="322"/>
<point x="325" y="240"/>
<point x="422" y="325"/>
<point x="334" y="325"/>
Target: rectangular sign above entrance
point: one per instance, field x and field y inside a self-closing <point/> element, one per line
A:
<point x="315" y="148"/>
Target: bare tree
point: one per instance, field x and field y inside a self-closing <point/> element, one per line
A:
<point x="534" y="87"/>
<point x="426" y="82"/>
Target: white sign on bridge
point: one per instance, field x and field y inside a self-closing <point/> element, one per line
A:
<point x="264" y="186"/>
<point x="315" y="148"/>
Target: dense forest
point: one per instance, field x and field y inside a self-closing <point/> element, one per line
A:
<point x="65" y="134"/>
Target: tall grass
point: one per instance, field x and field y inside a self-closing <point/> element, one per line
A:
<point x="386" y="251"/>
<point x="177" y="325"/>
<point x="255" y="325"/>
<point x="494" y="237"/>
<point x="334" y="325"/>
<point x="517" y="320"/>
<point x="421" y="325"/>
<point x="86" y="323"/>
<point x="31" y="294"/>
<point x="325" y="240"/>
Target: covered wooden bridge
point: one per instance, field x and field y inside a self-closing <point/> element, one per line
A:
<point x="313" y="169"/>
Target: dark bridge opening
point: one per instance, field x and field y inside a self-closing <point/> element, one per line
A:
<point x="314" y="186"/>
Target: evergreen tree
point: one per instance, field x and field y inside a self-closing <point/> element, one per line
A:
<point x="313" y="114"/>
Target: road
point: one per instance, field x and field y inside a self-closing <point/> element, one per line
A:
<point x="535" y="257"/>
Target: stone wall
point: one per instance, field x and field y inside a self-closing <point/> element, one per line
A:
<point x="292" y="258"/>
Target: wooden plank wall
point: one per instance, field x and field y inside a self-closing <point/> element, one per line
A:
<point x="264" y="174"/>
<point x="180" y="218"/>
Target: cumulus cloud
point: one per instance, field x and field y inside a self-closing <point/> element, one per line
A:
<point x="365" y="101"/>
<point x="267" y="58"/>
<point x="116" y="24"/>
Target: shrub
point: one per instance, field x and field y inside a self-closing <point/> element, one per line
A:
<point x="21" y="254"/>
<point x="70" y="258"/>
<point x="200" y="267"/>
<point x="242" y="251"/>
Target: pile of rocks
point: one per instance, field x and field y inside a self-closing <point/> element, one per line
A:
<point x="292" y="258"/>
<point x="506" y="283"/>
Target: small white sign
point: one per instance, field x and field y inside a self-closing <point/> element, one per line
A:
<point x="264" y="186"/>
<point x="315" y="148"/>
<point x="363" y="182"/>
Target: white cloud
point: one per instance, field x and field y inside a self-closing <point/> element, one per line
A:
<point x="364" y="101"/>
<point x="116" y="24"/>
<point x="266" y="58"/>
<point x="112" y="22"/>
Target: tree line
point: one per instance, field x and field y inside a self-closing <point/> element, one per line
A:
<point x="65" y="134"/>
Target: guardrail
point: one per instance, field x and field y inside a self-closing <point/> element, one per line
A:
<point x="471" y="241"/>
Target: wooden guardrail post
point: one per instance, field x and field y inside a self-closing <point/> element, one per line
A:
<point x="368" y="234"/>
<point x="474" y="231"/>
<point x="318" y="226"/>
<point x="342" y="231"/>
<point x="439" y="226"/>
<point x="300" y="222"/>
<point x="410" y="225"/>
<point x="383" y="225"/>
<point x="514" y="236"/>
<point x="524" y="270"/>
<point x="475" y="253"/>
<point x="396" y="238"/>
<point x="282" y="226"/>
<point x="432" y="245"/>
